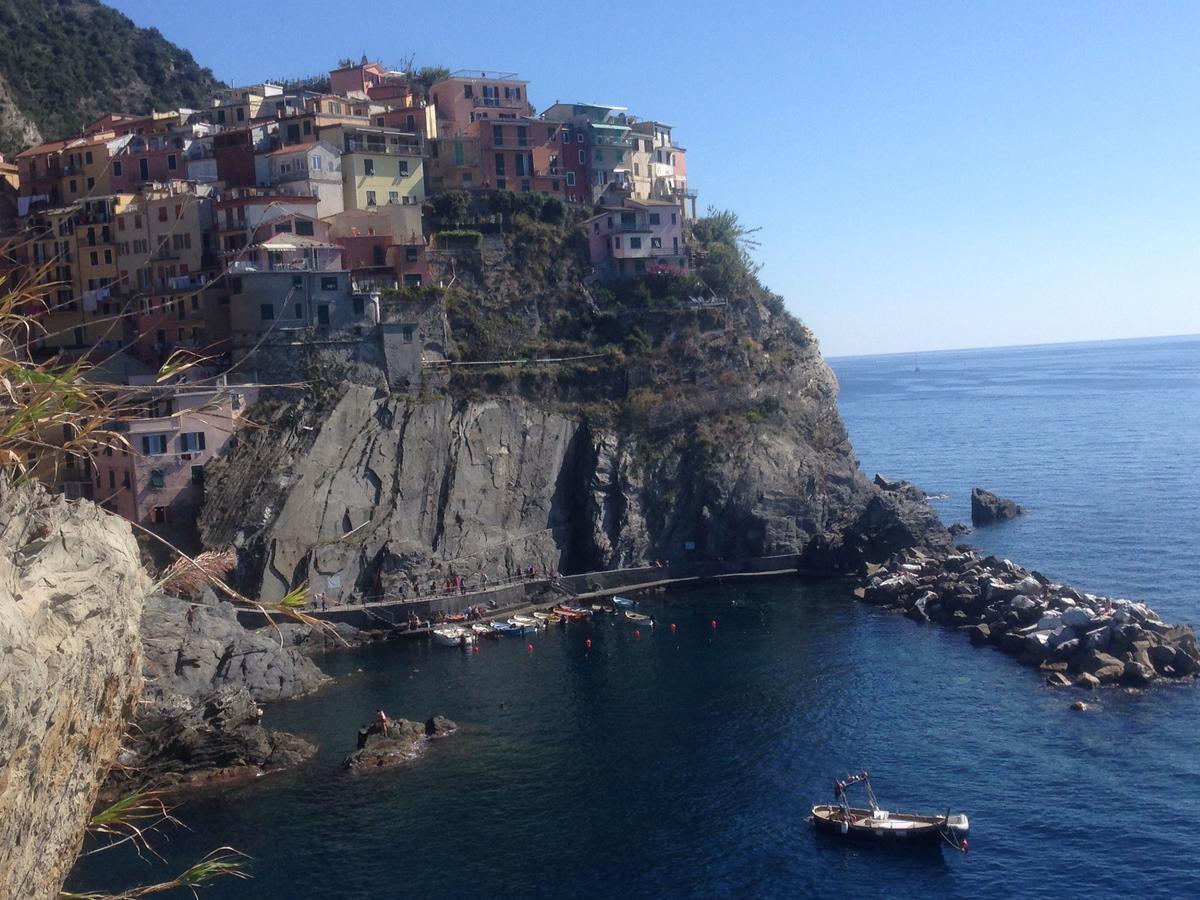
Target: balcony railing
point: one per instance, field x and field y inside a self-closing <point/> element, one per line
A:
<point x="407" y="149"/>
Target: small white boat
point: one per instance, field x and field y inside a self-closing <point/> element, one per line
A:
<point x="526" y="621"/>
<point x="636" y="617"/>
<point x="541" y="616"/>
<point x="481" y="628"/>
<point x="453" y="636"/>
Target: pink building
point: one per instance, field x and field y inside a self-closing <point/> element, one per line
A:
<point x="470" y="96"/>
<point x="160" y="480"/>
<point x="638" y="237"/>
<point x="357" y="79"/>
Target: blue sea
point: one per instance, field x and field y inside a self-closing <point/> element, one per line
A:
<point x="682" y="763"/>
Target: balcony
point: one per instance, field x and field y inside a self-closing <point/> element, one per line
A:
<point x="604" y="140"/>
<point x="406" y="149"/>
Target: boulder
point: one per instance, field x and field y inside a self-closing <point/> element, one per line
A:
<point x="1078" y="617"/>
<point x="1105" y="668"/>
<point x="958" y="529"/>
<point x="1058" y="679"/>
<point x="1087" y="681"/>
<point x="987" y="508"/>
<point x="1079" y="706"/>
<point x="1137" y="673"/>
<point x="979" y="634"/>
<point x="439" y="726"/>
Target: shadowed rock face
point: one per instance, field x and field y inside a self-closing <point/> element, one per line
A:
<point x="71" y="594"/>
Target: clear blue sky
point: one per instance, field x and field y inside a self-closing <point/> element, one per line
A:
<point x="926" y="175"/>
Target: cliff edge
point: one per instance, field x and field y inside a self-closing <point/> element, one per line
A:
<point x="71" y="595"/>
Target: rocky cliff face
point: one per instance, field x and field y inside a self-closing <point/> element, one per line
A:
<point x="386" y="491"/>
<point x="71" y="593"/>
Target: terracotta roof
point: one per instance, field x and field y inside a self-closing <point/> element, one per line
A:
<point x="50" y="147"/>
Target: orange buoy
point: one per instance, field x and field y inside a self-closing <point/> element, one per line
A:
<point x="964" y="845"/>
<point x="672" y="627"/>
<point x="475" y="649"/>
<point x="529" y="647"/>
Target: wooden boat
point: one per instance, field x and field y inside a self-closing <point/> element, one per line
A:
<point x="457" y="618"/>
<point x="875" y="824"/>
<point x="541" y="616"/>
<point x="554" y="619"/>
<point x="573" y="615"/>
<point x="636" y="617"/>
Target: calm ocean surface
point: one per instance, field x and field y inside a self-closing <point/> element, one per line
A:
<point x="672" y="765"/>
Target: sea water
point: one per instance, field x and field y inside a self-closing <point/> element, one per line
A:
<point x="673" y="763"/>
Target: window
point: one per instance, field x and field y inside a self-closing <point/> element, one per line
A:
<point x="656" y="243"/>
<point x="315" y="163"/>
<point x="329" y="283"/>
<point x="108" y="257"/>
<point x="403" y="168"/>
<point x="468" y="91"/>
<point x="172" y="162"/>
<point x="87" y="157"/>
<point x="191" y="442"/>
<point x="393" y="196"/>
<point x="279" y="228"/>
<point x="502" y="184"/>
<point x="308" y="126"/>
<point x="579" y="137"/>
<point x="635" y="243"/>
<point x="368" y="167"/>
<point x="360" y="305"/>
<point x="500" y="165"/>
<point x="408" y="334"/>
<point x="655" y="218"/>
<point x="522" y="136"/>
<point x="73" y="186"/>
<point x="144" y="169"/>
<point x="525" y="185"/>
<point x="570" y="179"/>
<point x="91" y="183"/>
<point x="582" y="156"/>
<point x="304" y="227"/>
<point x="112" y="479"/>
<point x="240" y="114"/>
<point x="595" y="228"/>
<point x="323" y="314"/>
<point x="673" y="218"/>
<point x="617" y="242"/>
<point x="370" y="198"/>
<point x="412" y="280"/>
<point x="297" y="311"/>
<point x="235" y="286"/>
<point x="158" y="515"/>
<point x="293" y="134"/>
<point x="498" y="135"/>
<point x="197" y="474"/>
<point x="410" y="254"/>
<point x="94" y="257"/>
<point x="154" y="444"/>
<point x="566" y="136"/>
<point x="162" y="214"/>
<point x="266" y="312"/>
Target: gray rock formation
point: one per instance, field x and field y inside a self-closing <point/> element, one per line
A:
<point x="385" y="491"/>
<point x="195" y="649"/>
<point x="71" y="593"/>
<point x="987" y="508"/>
<point x="184" y="741"/>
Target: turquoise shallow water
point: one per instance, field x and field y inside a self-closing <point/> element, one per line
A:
<point x="672" y="765"/>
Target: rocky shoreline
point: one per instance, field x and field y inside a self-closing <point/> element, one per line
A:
<point x="1074" y="637"/>
<point x="403" y="742"/>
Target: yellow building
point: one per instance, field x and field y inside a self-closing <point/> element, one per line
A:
<point x="50" y="234"/>
<point x="380" y="166"/>
<point x="97" y="275"/>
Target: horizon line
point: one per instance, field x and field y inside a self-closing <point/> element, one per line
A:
<point x="1148" y="337"/>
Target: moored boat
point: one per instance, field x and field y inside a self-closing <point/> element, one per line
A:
<point x="508" y="629"/>
<point x="554" y="619"/>
<point x="624" y="602"/>
<point x="482" y="628"/>
<point x="525" y="621"/>
<point x="601" y="609"/>
<point x="876" y="824"/>
<point x="540" y="615"/>
<point x="453" y="636"/>
<point x="636" y="617"/>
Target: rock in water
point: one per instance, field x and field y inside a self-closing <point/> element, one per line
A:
<point x="403" y="742"/>
<point x="71" y="593"/>
<point x="958" y="529"/>
<point x="987" y="508"/>
<point x="184" y="741"/>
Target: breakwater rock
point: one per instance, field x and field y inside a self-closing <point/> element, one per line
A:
<point x="1077" y="638"/>
<point x="987" y="508"/>
<point x="403" y="741"/>
<point x="71" y="593"/>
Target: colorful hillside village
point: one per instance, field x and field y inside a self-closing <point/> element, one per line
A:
<point x="277" y="216"/>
